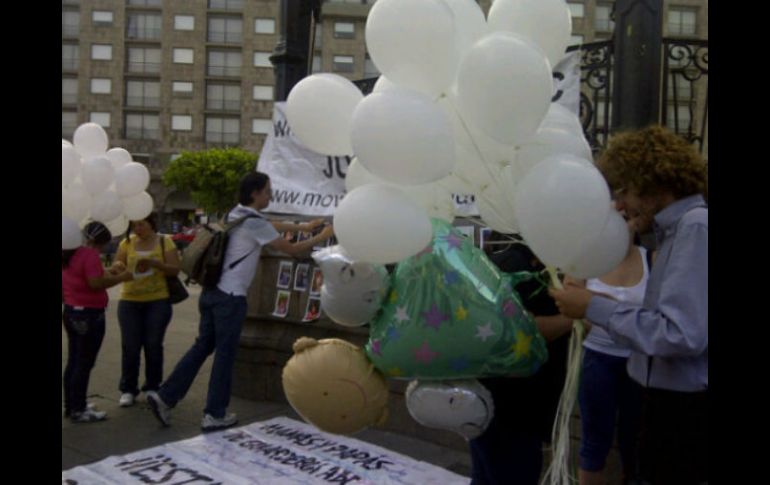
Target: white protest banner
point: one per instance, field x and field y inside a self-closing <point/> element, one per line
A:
<point x="280" y="450"/>
<point x="304" y="182"/>
<point x="566" y="82"/>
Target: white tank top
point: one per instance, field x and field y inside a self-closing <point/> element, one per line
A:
<point x="598" y="339"/>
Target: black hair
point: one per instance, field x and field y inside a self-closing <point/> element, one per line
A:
<point x="151" y="219"/>
<point x="94" y="233"/>
<point x="251" y="182"/>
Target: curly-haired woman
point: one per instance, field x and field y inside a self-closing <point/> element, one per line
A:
<point x="660" y="182"/>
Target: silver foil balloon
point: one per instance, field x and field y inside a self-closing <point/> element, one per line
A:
<point x="463" y="406"/>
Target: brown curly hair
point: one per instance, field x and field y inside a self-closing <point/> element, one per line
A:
<point x="654" y="160"/>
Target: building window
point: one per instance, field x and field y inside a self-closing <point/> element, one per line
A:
<point x="143" y="94"/>
<point x="263" y="93"/>
<point x="70" y="23"/>
<point x="681" y="86"/>
<point x="222" y="63"/>
<point x="100" y="118"/>
<point x="344" y="30"/>
<point x="226" y="4"/>
<point x="225" y="29"/>
<point x="260" y="126"/>
<point x="182" y="87"/>
<point x="603" y="21"/>
<point x="343" y="63"/>
<point x="101" y="17"/>
<point x="181" y="122"/>
<point x="142" y="127"/>
<point x="145" y="3"/>
<point x="183" y="56"/>
<point x="370" y="70"/>
<point x="678" y="118"/>
<point x="101" y="86"/>
<point x="69" y="121"/>
<point x="70" y="57"/>
<point x="184" y="22"/>
<point x="599" y="114"/>
<point x="262" y="59"/>
<point x="316" y="63"/>
<point x="143" y="60"/>
<point x="69" y="91"/>
<point x="143" y="26"/>
<point x="576" y="10"/>
<point x="264" y="26"/>
<point x="681" y="21"/>
<point x="101" y="52"/>
<point x="223" y="130"/>
<point x="318" y="39"/>
<point x="223" y="97"/>
<point x="576" y="40"/>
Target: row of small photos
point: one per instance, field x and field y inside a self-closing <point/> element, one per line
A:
<point x="303" y="281"/>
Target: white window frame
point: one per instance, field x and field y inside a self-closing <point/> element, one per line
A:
<point x="94" y="116"/>
<point x="262" y="59"/>
<point x="97" y="81"/>
<point x="181" y="122"/>
<point x="577" y="10"/>
<point x="264" y="25"/>
<point x="262" y="92"/>
<point x="261" y="126"/>
<point x="344" y="30"/>
<point x="181" y="22"/>
<point x="179" y="87"/>
<point x="338" y="61"/>
<point x="101" y="52"/>
<point x="107" y="17"/>
<point x="183" y="55"/>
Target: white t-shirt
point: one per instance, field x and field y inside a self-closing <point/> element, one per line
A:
<point x="598" y="339"/>
<point x="247" y="238"/>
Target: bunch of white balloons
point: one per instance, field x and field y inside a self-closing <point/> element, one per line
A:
<point x="463" y="106"/>
<point x="100" y="185"/>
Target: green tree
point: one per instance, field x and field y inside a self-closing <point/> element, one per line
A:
<point x="211" y="177"/>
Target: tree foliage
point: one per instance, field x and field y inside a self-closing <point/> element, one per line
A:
<point x="211" y="177"/>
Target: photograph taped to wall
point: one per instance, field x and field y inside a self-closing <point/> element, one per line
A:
<point x="282" y="300"/>
<point x="301" y="277"/>
<point x="284" y="274"/>
<point x="317" y="281"/>
<point x="313" y="310"/>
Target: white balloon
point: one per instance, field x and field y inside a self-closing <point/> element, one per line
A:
<point x="549" y="141"/>
<point x="137" y="207"/>
<point x="97" y="175"/>
<point x="559" y="204"/>
<point x="65" y="142"/>
<point x="548" y="23"/>
<point x="71" y="237"/>
<point x="558" y="115"/>
<point x="504" y="87"/>
<point x="413" y="43"/>
<point x="119" y="157"/>
<point x="90" y="140"/>
<point x="319" y="111"/>
<point x="379" y="224"/>
<point x="131" y="179"/>
<point x="497" y="210"/>
<point x="106" y="206"/>
<point x="470" y="23"/>
<point x="604" y="252"/>
<point x="463" y="406"/>
<point x="75" y="201"/>
<point x="382" y="84"/>
<point x="70" y="164"/>
<point x="403" y="137"/>
<point x="118" y="226"/>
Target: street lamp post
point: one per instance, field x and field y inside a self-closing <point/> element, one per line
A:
<point x="291" y="54"/>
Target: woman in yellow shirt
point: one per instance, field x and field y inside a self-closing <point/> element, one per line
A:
<point x="144" y="310"/>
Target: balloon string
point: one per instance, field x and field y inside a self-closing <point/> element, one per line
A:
<point x="558" y="472"/>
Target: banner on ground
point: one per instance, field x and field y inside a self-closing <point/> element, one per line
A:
<point x="280" y="450"/>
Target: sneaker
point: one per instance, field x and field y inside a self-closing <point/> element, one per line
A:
<point x="90" y="406"/>
<point x="127" y="399"/>
<point x="160" y="409"/>
<point x="88" y="416"/>
<point x="210" y="423"/>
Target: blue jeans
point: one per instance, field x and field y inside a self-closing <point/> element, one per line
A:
<point x="85" y="332"/>
<point x="607" y="393"/>
<point x="222" y="317"/>
<point x="142" y="326"/>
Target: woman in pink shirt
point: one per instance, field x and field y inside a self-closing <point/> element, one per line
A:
<point x="84" y="285"/>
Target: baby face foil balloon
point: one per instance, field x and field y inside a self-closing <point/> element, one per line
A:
<point x="465" y="407"/>
<point x="452" y="314"/>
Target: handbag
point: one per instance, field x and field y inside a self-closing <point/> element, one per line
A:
<point x="176" y="290"/>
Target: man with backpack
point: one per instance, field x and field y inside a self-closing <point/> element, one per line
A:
<point x="225" y="270"/>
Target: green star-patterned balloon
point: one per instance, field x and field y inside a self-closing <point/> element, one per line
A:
<point x="451" y="314"/>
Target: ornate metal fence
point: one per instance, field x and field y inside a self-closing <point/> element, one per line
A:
<point x="595" y="90"/>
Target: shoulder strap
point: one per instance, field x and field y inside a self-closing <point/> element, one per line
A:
<point x="648" y="256"/>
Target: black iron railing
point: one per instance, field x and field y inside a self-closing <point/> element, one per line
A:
<point x="684" y="108"/>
